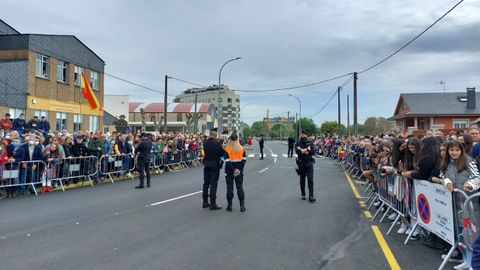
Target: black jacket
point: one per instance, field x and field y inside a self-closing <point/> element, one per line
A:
<point x="213" y="153"/>
<point x="308" y="158"/>
<point x="144" y="150"/>
<point x="80" y="150"/>
<point x="291" y="141"/>
<point x="261" y="142"/>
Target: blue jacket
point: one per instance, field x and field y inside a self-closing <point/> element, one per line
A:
<point x="107" y="148"/>
<point x="43" y="125"/>
<point x="22" y="153"/>
<point x="19" y="124"/>
<point x="180" y="145"/>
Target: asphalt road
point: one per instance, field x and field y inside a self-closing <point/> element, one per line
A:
<point x="114" y="226"/>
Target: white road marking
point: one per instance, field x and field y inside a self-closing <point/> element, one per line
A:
<point x="284" y="155"/>
<point x="275" y="160"/>
<point x="177" y="198"/>
<point x="263" y="170"/>
<point x="251" y="155"/>
<point x="274" y="155"/>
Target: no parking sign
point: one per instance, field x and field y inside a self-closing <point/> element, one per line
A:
<point x="435" y="209"/>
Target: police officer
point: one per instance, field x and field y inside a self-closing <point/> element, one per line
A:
<point x="211" y="170"/>
<point x="291" y="143"/>
<point x="261" y="144"/>
<point x="143" y="152"/>
<point x="234" y="164"/>
<point x="305" y="151"/>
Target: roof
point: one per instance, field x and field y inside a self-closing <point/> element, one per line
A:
<point x="64" y="47"/>
<point x="171" y="107"/>
<point x="432" y="104"/>
<point x="108" y="119"/>
<point x="6" y="29"/>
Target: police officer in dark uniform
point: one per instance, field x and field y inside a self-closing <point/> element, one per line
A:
<point x="261" y="143"/>
<point x="291" y="143"/>
<point x="211" y="170"/>
<point x="143" y="152"/>
<point x="305" y="151"/>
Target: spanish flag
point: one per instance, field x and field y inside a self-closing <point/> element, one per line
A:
<point x="88" y="94"/>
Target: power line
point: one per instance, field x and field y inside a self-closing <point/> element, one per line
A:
<point x="411" y="41"/>
<point x="184" y="81"/>
<point x="331" y="98"/>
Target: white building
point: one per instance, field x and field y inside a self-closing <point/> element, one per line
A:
<point x="229" y="101"/>
<point x="117" y="105"/>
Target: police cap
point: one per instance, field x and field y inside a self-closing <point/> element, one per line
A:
<point x="234" y="136"/>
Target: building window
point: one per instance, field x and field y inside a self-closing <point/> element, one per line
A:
<point x="220" y="100"/>
<point x="62" y="71"/>
<point x="77" y="122"/>
<point x="42" y="66"/>
<point x="93" y="123"/>
<point x="61" y="121"/>
<point x="229" y="100"/>
<point x="15" y="113"/>
<point x="238" y="100"/>
<point x="460" y="123"/>
<point x="94" y="80"/>
<point x="78" y="75"/>
<point x="40" y="113"/>
<point x="179" y="117"/>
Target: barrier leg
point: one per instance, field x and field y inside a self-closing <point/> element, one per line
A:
<point x="378" y="210"/>
<point x="386" y="213"/>
<point x="449" y="255"/>
<point x="61" y="184"/>
<point x="411" y="233"/>
<point x="393" y="224"/>
<point x="110" y="177"/>
<point x="373" y="201"/>
<point x="90" y="179"/>
<point x="34" y="189"/>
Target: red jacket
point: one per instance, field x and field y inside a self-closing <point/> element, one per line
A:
<point x="5" y="124"/>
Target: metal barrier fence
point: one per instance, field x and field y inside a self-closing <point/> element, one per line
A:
<point x="156" y="161"/>
<point x="116" y="165"/>
<point x="71" y="168"/>
<point x="19" y="177"/>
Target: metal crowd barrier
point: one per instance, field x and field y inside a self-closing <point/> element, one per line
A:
<point x="71" y="168"/>
<point x="156" y="161"/>
<point x="21" y="176"/>
<point x="471" y="213"/>
<point x="116" y="165"/>
<point x="172" y="159"/>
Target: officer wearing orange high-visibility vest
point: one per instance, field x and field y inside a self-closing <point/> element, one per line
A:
<point x="234" y="164"/>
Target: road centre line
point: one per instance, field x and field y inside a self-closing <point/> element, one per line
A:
<point x="176" y="198"/>
<point x="263" y="170"/>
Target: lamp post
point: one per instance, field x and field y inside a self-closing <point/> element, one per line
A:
<point x="219" y="108"/>
<point x="241" y="113"/>
<point x="300" y="114"/>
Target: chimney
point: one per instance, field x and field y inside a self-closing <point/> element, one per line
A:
<point x="471" y="98"/>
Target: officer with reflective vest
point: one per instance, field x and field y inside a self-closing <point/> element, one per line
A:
<point x="234" y="164"/>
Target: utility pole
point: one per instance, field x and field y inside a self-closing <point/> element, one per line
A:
<point x="288" y="122"/>
<point x="339" y="112"/>
<point x="355" y="109"/>
<point x="165" y="105"/>
<point x="348" y="115"/>
<point x="296" y="124"/>
<point x="195" y="116"/>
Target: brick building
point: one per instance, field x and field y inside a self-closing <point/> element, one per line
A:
<point x="445" y="111"/>
<point x="40" y="75"/>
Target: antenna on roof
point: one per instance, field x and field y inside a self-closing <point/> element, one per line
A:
<point x="444" y="86"/>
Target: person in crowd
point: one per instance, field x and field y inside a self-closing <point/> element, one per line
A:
<point x="475" y="133"/>
<point x="95" y="146"/>
<point x="261" y="143"/>
<point x="28" y="154"/>
<point x="291" y="143"/>
<point x="32" y="125"/>
<point x="43" y="126"/>
<point x="19" y="124"/>
<point x="459" y="171"/>
<point x="68" y="146"/>
<point x="467" y="141"/>
<point x="211" y="171"/>
<point x="53" y="158"/>
<point x="123" y="148"/>
<point x="234" y="165"/>
<point x="143" y="152"/>
<point x="5" y="124"/>
<point x="305" y="152"/>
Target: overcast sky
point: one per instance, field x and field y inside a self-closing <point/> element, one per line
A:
<point x="282" y="43"/>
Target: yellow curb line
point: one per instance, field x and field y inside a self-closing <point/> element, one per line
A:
<point x="386" y="249"/>
<point x="354" y="188"/>
<point x="367" y="214"/>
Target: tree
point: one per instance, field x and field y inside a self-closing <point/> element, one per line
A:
<point x="308" y="125"/>
<point x="246" y="132"/>
<point x="258" y="128"/>
<point x="384" y="125"/>
<point x="371" y="126"/>
<point x="331" y="127"/>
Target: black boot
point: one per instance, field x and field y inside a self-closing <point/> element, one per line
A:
<point x="311" y="199"/>
<point x="205" y="201"/>
<point x="214" y="206"/>
<point x="229" y="207"/>
<point x="242" y="206"/>
<point x="140" y="186"/>
<point x="148" y="183"/>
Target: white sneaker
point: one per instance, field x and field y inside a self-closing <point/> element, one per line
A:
<point x="129" y="174"/>
<point x="408" y="231"/>
<point x="377" y="203"/>
<point x="402" y="229"/>
<point x="392" y="216"/>
<point x="465" y="265"/>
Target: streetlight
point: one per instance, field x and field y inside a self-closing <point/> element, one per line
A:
<point x="219" y="109"/>
<point x="300" y="114"/>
